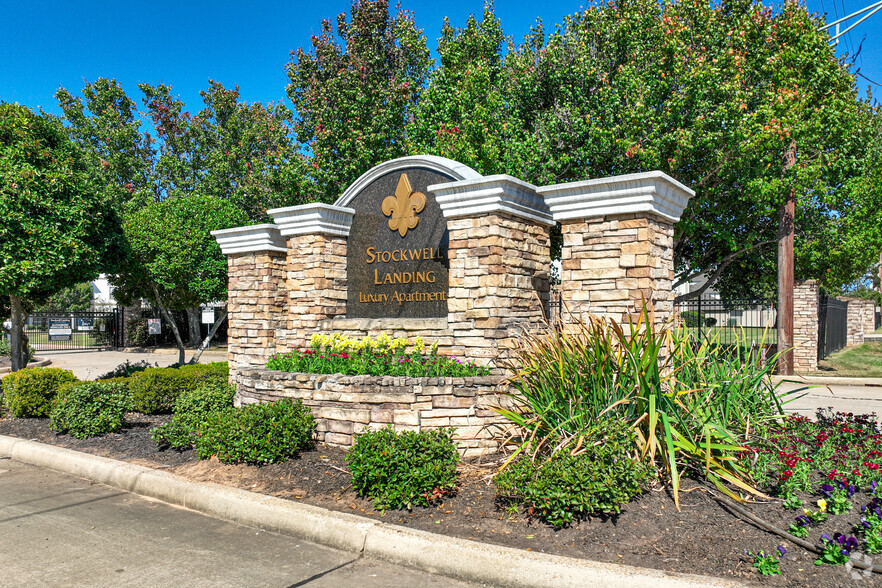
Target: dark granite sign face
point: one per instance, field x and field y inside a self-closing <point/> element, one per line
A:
<point x="397" y="262"/>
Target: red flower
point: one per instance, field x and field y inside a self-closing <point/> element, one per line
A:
<point x="787" y="473"/>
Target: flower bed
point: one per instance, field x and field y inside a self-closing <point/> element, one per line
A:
<point x="380" y="356"/>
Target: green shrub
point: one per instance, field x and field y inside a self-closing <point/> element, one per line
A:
<point x="6" y="348"/>
<point x="690" y="318"/>
<point x="29" y="393"/>
<point x="124" y="370"/>
<point x="257" y="433"/>
<point x="571" y="484"/>
<point x="192" y="410"/>
<point x="218" y="370"/>
<point x="137" y="333"/>
<point x="121" y="380"/>
<point x="90" y="409"/>
<point x="155" y="390"/>
<point x="400" y="470"/>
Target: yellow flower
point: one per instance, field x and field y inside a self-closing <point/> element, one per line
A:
<point x="822" y="505"/>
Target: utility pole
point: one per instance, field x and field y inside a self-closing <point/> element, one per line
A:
<point x="786" y="231"/>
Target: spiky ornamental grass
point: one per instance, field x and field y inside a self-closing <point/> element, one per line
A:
<point x="691" y="405"/>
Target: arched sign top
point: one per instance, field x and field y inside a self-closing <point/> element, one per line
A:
<point x="442" y="165"/>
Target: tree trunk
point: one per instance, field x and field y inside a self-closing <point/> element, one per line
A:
<point x="18" y="358"/>
<point x="194" y="320"/>
<point x="171" y="323"/>
<point x="211" y="332"/>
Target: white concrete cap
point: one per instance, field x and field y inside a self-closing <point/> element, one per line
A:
<point x="449" y="167"/>
<point x="250" y="239"/>
<point x="492" y="194"/>
<point x="313" y="219"/>
<point x="654" y="192"/>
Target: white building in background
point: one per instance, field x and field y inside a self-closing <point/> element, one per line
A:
<point x="102" y="294"/>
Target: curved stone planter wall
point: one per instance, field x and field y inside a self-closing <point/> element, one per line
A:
<point x="345" y="405"/>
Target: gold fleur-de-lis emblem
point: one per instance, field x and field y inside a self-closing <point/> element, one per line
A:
<point x="404" y="206"/>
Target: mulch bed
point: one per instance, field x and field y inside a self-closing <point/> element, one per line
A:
<point x="702" y="538"/>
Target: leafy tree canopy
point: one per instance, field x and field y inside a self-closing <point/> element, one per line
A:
<point x="58" y="227"/>
<point x="353" y="93"/>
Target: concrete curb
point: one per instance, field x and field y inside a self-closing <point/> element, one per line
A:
<point x="828" y="380"/>
<point x="39" y="362"/>
<point x="448" y="556"/>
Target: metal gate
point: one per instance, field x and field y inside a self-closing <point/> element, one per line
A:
<point x="54" y="331"/>
<point x="832" y="326"/>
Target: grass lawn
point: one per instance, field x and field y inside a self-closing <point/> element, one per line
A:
<point x="863" y="361"/>
<point x="731" y="334"/>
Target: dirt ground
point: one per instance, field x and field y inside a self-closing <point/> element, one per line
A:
<point x="703" y="537"/>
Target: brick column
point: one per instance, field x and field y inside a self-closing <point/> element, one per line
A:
<point x="499" y="263"/>
<point x="618" y="244"/>
<point x="315" y="267"/>
<point x="255" y="307"/>
<point x="805" y="326"/>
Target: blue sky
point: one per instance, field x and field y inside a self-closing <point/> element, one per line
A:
<point x="47" y="44"/>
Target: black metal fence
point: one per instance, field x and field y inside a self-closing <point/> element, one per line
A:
<point x="728" y="321"/>
<point x="57" y="330"/>
<point x="832" y="326"/>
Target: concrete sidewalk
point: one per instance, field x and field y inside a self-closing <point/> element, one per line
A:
<point x="57" y="530"/>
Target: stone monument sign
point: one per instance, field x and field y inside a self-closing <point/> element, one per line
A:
<point x="396" y="258"/>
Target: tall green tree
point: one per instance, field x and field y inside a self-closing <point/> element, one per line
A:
<point x="58" y="226"/>
<point x="176" y="261"/>
<point x="712" y="94"/>
<point x="353" y="93"/>
<point x="106" y="123"/>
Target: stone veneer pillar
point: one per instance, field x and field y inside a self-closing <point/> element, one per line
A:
<point x="617" y="243"/>
<point x="805" y="326"/>
<point x="315" y="267"/>
<point x="499" y="263"/>
<point x="256" y="265"/>
<point x="860" y="318"/>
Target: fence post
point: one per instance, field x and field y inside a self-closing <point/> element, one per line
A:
<point x="700" y="321"/>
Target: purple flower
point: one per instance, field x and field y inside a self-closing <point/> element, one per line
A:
<point x="781" y="550"/>
<point x="873" y="485"/>
<point x="803" y="521"/>
<point x="827" y="490"/>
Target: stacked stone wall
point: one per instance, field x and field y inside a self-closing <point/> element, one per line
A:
<point x="499" y="283"/>
<point x="316" y="285"/>
<point x="805" y="326"/>
<point x="346" y="405"/>
<point x="610" y="265"/>
<point x="255" y="308"/>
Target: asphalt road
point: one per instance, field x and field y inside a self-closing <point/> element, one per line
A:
<point x="57" y="530"/>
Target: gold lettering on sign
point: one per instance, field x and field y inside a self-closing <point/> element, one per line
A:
<point x="403" y="207"/>
<point x="402" y="255"/>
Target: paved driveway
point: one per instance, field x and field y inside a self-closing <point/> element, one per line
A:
<point x="88" y="365"/>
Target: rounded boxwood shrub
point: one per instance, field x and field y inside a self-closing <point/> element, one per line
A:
<point x="401" y="470"/>
<point x="571" y="484"/>
<point x="155" y="390"/>
<point x="90" y="409"/>
<point x="192" y="410"/>
<point x="257" y="433"/>
<point x="29" y="393"/>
